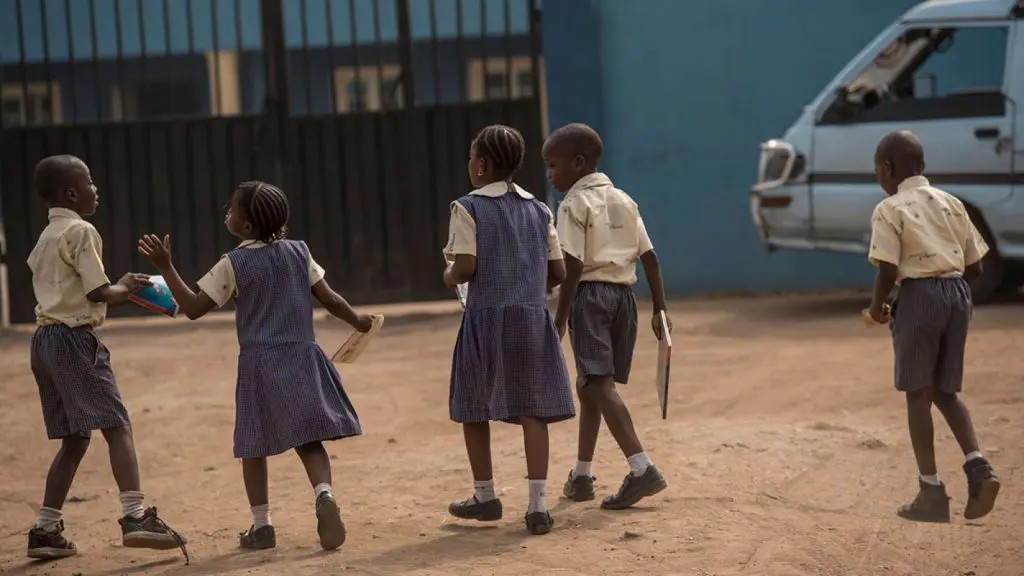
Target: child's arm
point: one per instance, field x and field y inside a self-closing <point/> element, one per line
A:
<point x="462" y="270"/>
<point x="885" y="280"/>
<point x="340" y="308"/>
<point x="556" y="272"/>
<point x="652" y="269"/>
<point x="573" y="274"/>
<point x="158" y="252"/>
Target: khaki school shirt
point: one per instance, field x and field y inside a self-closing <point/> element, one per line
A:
<point x="462" y="226"/>
<point x="601" y="226"/>
<point x="219" y="283"/>
<point x="925" y="232"/>
<point x="66" y="265"/>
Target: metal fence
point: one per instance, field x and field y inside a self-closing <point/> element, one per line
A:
<point x="361" y="109"/>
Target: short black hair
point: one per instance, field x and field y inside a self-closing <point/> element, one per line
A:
<point x="265" y="207"/>
<point x="504" y="146"/>
<point x="55" y="173"/>
<point x="576" y="139"/>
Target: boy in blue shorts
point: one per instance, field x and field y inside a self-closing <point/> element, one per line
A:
<point x="923" y="239"/>
<point x="602" y="237"/>
<point x="77" y="388"/>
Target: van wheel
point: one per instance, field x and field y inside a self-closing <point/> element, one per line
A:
<point x="986" y="287"/>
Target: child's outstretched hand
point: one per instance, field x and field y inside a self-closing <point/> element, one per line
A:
<point x="656" y="323"/>
<point x="156" y="251"/>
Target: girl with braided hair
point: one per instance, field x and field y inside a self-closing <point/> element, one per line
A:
<point x="288" y="395"/>
<point x="508" y="363"/>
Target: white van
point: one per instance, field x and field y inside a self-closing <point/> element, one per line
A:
<point x="952" y="71"/>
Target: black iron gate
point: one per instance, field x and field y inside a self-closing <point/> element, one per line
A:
<point x="362" y="110"/>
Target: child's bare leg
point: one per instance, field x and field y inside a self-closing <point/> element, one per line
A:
<point x="922" y="432"/>
<point x="123" y="461"/>
<point x="535" y="441"/>
<point x="615" y="413"/>
<point x="62" y="471"/>
<point x="254" y="473"/>
<point x="959" y="419"/>
<point x="317" y="463"/>
<point x="478" y="448"/>
<point x="643" y="479"/>
<point x="484" y="505"/>
<point x="590" y="425"/>
<point x="318" y="468"/>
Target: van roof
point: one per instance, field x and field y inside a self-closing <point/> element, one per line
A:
<point x="965" y="10"/>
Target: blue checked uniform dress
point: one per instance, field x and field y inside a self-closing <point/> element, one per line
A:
<point x="508" y="360"/>
<point x="288" y="392"/>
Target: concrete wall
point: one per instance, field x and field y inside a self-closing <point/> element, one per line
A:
<point x="683" y="93"/>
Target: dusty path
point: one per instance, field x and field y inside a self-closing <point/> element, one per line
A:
<point x="785" y="451"/>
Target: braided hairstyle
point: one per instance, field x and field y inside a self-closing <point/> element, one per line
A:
<point x="504" y="147"/>
<point x="265" y="207"/>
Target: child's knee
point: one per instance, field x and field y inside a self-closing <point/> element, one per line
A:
<point x="120" y="433"/>
<point x="311" y="448"/>
<point x="76" y="446"/>
<point x="945" y="399"/>
<point x="918" y="398"/>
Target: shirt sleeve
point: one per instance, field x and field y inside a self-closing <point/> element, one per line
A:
<point x="644" y="244"/>
<point x="572" y="229"/>
<point x="461" y="232"/>
<point x="316" y="272"/>
<point x="88" y="262"/>
<point x="885" y="237"/>
<point x="219" y="283"/>
<point x="975" y="247"/>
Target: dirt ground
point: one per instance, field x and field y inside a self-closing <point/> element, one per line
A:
<point x="785" y="450"/>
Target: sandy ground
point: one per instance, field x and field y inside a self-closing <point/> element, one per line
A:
<point x="785" y="452"/>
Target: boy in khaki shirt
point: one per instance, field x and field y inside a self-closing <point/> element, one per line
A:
<point x="71" y="365"/>
<point x="602" y="237"/>
<point x="923" y="239"/>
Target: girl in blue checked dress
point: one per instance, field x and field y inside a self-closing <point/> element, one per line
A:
<point x="288" y="395"/>
<point x="508" y="362"/>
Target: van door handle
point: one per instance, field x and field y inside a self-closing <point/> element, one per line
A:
<point x="988" y="133"/>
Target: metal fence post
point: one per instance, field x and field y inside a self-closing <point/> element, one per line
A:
<point x="405" y="54"/>
<point x="275" y="63"/>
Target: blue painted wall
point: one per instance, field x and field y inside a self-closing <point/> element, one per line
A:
<point x="683" y="93"/>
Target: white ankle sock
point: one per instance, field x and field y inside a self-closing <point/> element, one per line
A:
<point x="48" y="519"/>
<point x="131" y="503"/>
<point x="932" y="480"/>
<point x="320" y="489"/>
<point x="582" y="469"/>
<point x="260" y="516"/>
<point x="484" y="490"/>
<point x="972" y="456"/>
<point x="638" y="463"/>
<point x="538" y="489"/>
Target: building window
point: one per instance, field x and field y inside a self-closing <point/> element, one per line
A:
<point x="151" y="100"/>
<point x="30" y="104"/>
<point x="374" y="90"/>
<point x="488" y="79"/>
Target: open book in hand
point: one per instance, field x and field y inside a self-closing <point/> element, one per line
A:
<point x="358" y="342"/>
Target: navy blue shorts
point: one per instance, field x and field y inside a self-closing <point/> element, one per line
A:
<point x="602" y="330"/>
<point x="929" y="326"/>
<point x="77" y="387"/>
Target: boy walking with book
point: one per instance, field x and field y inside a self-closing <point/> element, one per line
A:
<point x="602" y="236"/>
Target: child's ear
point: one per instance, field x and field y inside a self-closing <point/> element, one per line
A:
<point x="70" y="193"/>
<point x="579" y="162"/>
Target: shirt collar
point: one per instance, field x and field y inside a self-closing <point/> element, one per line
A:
<point x="595" y="180"/>
<point x="56" y="213"/>
<point x="499" y="189"/>
<point x="251" y="244"/>
<point x="912" y="182"/>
